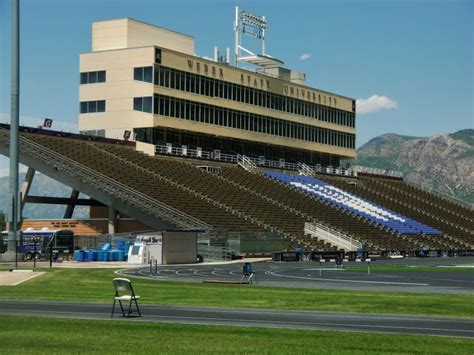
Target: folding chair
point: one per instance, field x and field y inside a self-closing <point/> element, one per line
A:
<point x="248" y="275"/>
<point x="124" y="292"/>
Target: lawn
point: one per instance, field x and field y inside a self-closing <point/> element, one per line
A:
<point x="23" y="335"/>
<point x="96" y="286"/>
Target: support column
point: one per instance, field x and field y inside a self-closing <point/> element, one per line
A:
<point x="70" y="208"/>
<point x="112" y="220"/>
<point x="25" y="188"/>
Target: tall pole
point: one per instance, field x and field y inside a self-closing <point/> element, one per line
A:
<point x="13" y="200"/>
<point x="237" y="36"/>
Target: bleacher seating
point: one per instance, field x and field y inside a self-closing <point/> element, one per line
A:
<point x="392" y="220"/>
<point x="398" y="217"/>
<point x="148" y="182"/>
<point x="453" y="219"/>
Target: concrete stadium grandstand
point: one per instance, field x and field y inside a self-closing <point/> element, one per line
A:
<point x="171" y="140"/>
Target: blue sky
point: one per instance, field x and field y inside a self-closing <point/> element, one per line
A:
<point x="410" y="62"/>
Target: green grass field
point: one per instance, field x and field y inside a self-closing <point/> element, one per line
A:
<point x="23" y="335"/>
<point x="96" y="286"/>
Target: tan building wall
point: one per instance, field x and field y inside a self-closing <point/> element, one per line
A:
<point x="130" y="33"/>
<point x="120" y="87"/>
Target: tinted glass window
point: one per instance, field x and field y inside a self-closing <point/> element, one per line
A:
<point x="83" y="78"/>
<point x="138" y="74"/>
<point x="92" y="106"/>
<point x="137" y="103"/>
<point x="92" y="77"/>
<point x="147" y="104"/>
<point x="101" y="76"/>
<point x="101" y="106"/>
<point x="147" y="74"/>
<point x="83" y="107"/>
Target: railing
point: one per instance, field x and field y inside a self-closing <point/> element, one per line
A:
<point x="305" y="170"/>
<point x="376" y="171"/>
<point x="245" y="162"/>
<point x="332" y="236"/>
<point x="259" y="162"/>
<point x="214" y="252"/>
<point x="106" y="184"/>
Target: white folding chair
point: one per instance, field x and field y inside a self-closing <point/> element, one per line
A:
<point x="124" y="293"/>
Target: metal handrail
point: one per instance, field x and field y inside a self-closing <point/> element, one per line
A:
<point x="304" y="169"/>
<point x="245" y="162"/>
<point x="262" y="162"/>
<point x="332" y="236"/>
<point x="112" y="186"/>
<point x="377" y="171"/>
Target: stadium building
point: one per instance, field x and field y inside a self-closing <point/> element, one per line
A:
<point x="146" y="80"/>
<point x="251" y="158"/>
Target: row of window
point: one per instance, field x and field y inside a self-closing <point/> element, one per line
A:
<point x="92" y="106"/>
<point x="92" y="77"/>
<point x="202" y="85"/>
<point x="194" y="111"/>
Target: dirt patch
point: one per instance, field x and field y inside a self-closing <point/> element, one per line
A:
<point x="9" y="278"/>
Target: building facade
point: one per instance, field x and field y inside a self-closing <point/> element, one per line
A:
<point x="147" y="80"/>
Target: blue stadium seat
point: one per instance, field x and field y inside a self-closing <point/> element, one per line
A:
<point x="353" y="204"/>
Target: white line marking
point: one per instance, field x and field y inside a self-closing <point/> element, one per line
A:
<point x="352" y="281"/>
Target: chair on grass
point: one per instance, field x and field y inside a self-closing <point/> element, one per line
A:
<point x="124" y="293"/>
<point x="248" y="275"/>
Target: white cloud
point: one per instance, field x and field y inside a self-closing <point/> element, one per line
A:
<point x="375" y="103"/>
<point x="305" y="56"/>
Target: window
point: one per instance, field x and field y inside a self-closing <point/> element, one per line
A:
<point x="93" y="77"/>
<point x="101" y="76"/>
<point x="143" y="74"/>
<point x="101" y="106"/>
<point x="83" y="78"/>
<point x="202" y="85"/>
<point x="92" y="106"/>
<point x="83" y="107"/>
<point x="199" y="112"/>
<point x="143" y="104"/>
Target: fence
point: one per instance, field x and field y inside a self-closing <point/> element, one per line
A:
<point x="217" y="155"/>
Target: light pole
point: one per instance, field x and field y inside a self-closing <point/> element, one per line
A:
<point x="13" y="195"/>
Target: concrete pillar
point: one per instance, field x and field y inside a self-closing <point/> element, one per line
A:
<point x="112" y="222"/>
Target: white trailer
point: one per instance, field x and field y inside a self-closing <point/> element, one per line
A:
<point x="164" y="247"/>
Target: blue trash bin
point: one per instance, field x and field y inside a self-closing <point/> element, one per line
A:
<point x="120" y="255"/>
<point x="105" y="256"/>
<point x="79" y="255"/>
<point x="91" y="255"/>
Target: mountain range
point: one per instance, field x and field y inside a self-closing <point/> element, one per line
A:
<point x="442" y="163"/>
<point x="42" y="186"/>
